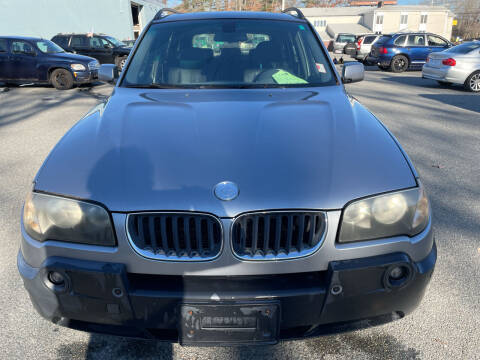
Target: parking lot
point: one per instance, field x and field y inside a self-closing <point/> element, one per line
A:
<point x="438" y="127"/>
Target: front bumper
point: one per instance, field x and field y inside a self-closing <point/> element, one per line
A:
<point x="105" y="297"/>
<point x="82" y="77"/>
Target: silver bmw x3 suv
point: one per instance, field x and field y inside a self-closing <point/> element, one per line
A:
<point x="228" y="192"/>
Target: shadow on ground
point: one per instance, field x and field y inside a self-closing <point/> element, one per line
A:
<point x="462" y="101"/>
<point x="350" y="345"/>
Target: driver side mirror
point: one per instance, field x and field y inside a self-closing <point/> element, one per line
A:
<point x="108" y="73"/>
<point x="353" y="72"/>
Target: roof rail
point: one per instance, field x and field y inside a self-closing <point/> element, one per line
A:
<point x="160" y="14"/>
<point x="299" y="13"/>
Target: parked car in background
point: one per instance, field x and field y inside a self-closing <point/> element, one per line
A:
<point x="401" y="51"/>
<point x="457" y="65"/>
<point x="341" y="40"/>
<point x="129" y="43"/>
<point x="106" y="49"/>
<point x="236" y="198"/>
<point x="35" y="60"/>
<point x="364" y="46"/>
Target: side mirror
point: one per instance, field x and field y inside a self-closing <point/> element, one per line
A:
<point x="108" y="73"/>
<point x="353" y="72"/>
<point x="106" y="46"/>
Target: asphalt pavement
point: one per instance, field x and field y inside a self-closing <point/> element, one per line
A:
<point x="438" y="127"/>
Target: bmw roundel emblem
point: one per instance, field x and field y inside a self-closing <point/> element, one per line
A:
<point x="226" y="190"/>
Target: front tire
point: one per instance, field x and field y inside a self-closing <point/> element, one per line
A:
<point x="473" y="82"/>
<point x="62" y="79"/>
<point x="399" y="64"/>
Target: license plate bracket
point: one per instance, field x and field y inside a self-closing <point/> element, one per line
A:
<point x="229" y="324"/>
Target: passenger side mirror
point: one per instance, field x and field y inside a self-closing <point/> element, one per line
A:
<point x="108" y="73"/>
<point x="353" y="72"/>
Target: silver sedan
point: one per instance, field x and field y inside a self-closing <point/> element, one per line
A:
<point x="457" y="65"/>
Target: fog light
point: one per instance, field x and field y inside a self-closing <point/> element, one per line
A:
<point x="56" y="278"/>
<point x="397" y="273"/>
<point x="397" y="276"/>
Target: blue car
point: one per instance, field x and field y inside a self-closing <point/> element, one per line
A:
<point x="402" y="51"/>
<point x="34" y="60"/>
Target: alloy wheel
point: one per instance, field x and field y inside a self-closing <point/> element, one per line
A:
<point x="399" y="64"/>
<point x="475" y="82"/>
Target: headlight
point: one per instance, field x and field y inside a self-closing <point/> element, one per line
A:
<point x="48" y="217"/>
<point x="78" y="67"/>
<point x="399" y="213"/>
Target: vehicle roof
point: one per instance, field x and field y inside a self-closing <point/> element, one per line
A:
<point x="82" y="34"/>
<point x="31" y="38"/>
<point x="230" y="15"/>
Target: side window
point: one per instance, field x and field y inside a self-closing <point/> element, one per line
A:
<point x="3" y="46"/>
<point x="436" y="41"/>
<point x="400" y="41"/>
<point x="61" y="41"/>
<point x="79" y="41"/>
<point x="416" y="40"/>
<point x="369" y="39"/>
<point x="21" y="47"/>
<point x="98" y="42"/>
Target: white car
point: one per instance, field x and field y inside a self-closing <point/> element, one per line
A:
<point x="457" y="65"/>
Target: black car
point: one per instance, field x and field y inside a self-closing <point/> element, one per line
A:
<point x="104" y="48"/>
<point x="34" y="60"/>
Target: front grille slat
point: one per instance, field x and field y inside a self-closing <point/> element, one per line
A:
<point x="211" y="243"/>
<point x="312" y="230"/>
<point x="176" y="243"/>
<point x="198" y="234"/>
<point x="153" y="235"/>
<point x="284" y="234"/>
<point x="278" y="234"/>
<point x="140" y="230"/>
<point x="255" y="236"/>
<point x="175" y="236"/>
<point x="289" y="234"/>
<point x="300" y="232"/>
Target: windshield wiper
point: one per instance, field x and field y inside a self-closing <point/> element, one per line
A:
<point x="153" y="86"/>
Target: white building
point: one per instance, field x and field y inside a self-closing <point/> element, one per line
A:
<point x="387" y="19"/>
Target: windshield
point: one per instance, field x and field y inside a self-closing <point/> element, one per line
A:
<point x="229" y="53"/>
<point x="345" y="38"/>
<point x="464" y="48"/>
<point x="48" y="47"/>
<point x="114" y="41"/>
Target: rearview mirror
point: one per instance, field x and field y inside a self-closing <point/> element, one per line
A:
<point x="353" y="72"/>
<point x="108" y="73"/>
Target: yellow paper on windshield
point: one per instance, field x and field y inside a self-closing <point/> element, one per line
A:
<point x="284" y="77"/>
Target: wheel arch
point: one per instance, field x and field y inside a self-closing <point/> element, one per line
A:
<point x="52" y="68"/>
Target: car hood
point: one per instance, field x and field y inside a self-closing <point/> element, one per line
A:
<point x="285" y="148"/>
<point x="73" y="57"/>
